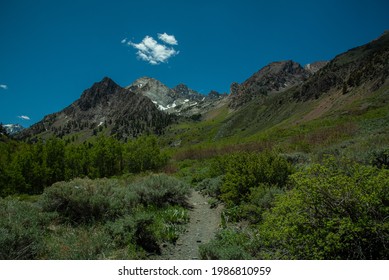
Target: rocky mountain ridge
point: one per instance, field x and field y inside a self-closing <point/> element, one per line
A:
<point x="13" y="128"/>
<point x="104" y="106"/>
<point x="179" y="100"/>
<point x="364" y="65"/>
<point x="274" y="77"/>
<point x="149" y="106"/>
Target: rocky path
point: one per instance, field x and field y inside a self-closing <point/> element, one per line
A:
<point x="203" y="224"/>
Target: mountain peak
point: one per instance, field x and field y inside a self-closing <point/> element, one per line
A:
<point x="13" y="128"/>
<point x="98" y="93"/>
<point x="274" y="77"/>
<point x="286" y="66"/>
<point x="106" y="83"/>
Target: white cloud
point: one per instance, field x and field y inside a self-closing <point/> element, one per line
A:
<point x="27" y="118"/>
<point x="168" y="39"/>
<point x="153" y="52"/>
<point x="123" y="41"/>
<point x="3" y="86"/>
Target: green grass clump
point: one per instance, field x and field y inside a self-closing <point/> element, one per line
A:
<point x="77" y="243"/>
<point x="229" y="244"/>
<point x="22" y="229"/>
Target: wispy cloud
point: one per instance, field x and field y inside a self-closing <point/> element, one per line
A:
<point x="123" y="41"/>
<point x="154" y="52"/>
<point x="27" y="118"/>
<point x="168" y="39"/>
<point x="3" y="86"/>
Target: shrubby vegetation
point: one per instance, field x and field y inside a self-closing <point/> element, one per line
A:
<point x="334" y="210"/>
<point x="95" y="219"/>
<point x="21" y="227"/>
<point x="276" y="206"/>
<point x="247" y="182"/>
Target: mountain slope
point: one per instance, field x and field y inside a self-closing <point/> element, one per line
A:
<point x="365" y="65"/>
<point x="104" y="106"/>
<point x="314" y="113"/>
<point x="275" y="77"/>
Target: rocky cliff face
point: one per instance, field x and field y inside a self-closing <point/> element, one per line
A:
<point x="365" y="65"/>
<point x="313" y="67"/>
<point x="275" y="77"/>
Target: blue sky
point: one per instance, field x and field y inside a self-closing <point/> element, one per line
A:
<point x="50" y="51"/>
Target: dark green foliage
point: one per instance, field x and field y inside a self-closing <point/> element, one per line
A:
<point x="143" y="154"/>
<point x="335" y="211"/>
<point x="161" y="190"/>
<point x="21" y="229"/>
<point x="144" y="235"/>
<point x="381" y="158"/>
<point x="29" y="168"/>
<point x="106" y="158"/>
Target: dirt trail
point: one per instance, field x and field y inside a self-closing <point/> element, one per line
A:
<point x="203" y="224"/>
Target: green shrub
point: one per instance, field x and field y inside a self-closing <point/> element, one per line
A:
<point x="248" y="170"/>
<point x="210" y="186"/>
<point x="87" y="201"/>
<point x="161" y="190"/>
<point x="135" y="232"/>
<point x="335" y="211"/>
<point x="228" y="244"/>
<point x="260" y="199"/>
<point x="121" y="230"/>
<point x="22" y="229"/>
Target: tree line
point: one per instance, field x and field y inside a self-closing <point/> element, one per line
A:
<point x="29" y="168"/>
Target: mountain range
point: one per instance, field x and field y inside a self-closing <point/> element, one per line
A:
<point x="13" y="128"/>
<point x="282" y="92"/>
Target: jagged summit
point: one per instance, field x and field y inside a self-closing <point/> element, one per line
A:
<point x="13" y="128"/>
<point x="98" y="93"/>
<point x="179" y="100"/>
<point x="105" y="105"/>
